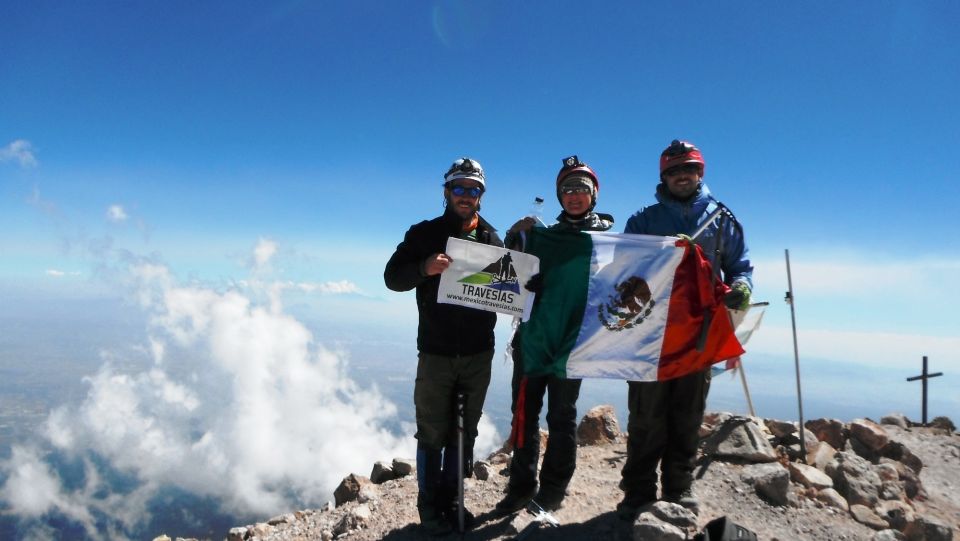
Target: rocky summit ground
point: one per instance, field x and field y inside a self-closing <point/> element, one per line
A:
<point x="864" y="495"/>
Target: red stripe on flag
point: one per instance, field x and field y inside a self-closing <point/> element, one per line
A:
<point x="696" y="292"/>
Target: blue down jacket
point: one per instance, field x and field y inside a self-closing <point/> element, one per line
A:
<point x="672" y="217"/>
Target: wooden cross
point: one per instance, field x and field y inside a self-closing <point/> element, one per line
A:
<point x="925" y="376"/>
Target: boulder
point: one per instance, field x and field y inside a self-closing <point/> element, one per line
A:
<point x="901" y="453"/>
<point x="854" y="479"/>
<point x="887" y="535"/>
<point x="236" y="534"/>
<point x="403" y="467"/>
<point x="771" y="481"/>
<point x="910" y="479"/>
<point x="349" y="489"/>
<point x="382" y="472"/>
<point x="355" y="519"/>
<point x="928" y="529"/>
<point x="831" y="431"/>
<point x="869" y="433"/>
<point x="599" y="426"/>
<point x="780" y="428"/>
<point x="675" y="514"/>
<point x="740" y="438"/>
<point x="821" y="456"/>
<point x="897" y="514"/>
<point x="482" y="470"/>
<point x="864" y="515"/>
<point x="649" y="528"/>
<point x="943" y="423"/>
<point x="809" y="476"/>
<point x="831" y="497"/>
<point x="895" y="419"/>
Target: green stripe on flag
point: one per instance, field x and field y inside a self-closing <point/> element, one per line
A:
<point x="550" y="334"/>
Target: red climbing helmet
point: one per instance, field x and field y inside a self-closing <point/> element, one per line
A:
<point x="680" y="153"/>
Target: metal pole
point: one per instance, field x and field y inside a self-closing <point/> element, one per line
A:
<point x="746" y="390"/>
<point x="925" y="379"/>
<point x="796" y="357"/>
<point x="461" y="406"/>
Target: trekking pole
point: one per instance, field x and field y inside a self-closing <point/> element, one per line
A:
<point x="796" y="358"/>
<point x="461" y="407"/>
<point x="717" y="251"/>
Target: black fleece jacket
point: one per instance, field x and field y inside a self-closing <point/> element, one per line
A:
<point x="444" y="329"/>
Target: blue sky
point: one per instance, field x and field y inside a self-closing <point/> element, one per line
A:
<point x="196" y="136"/>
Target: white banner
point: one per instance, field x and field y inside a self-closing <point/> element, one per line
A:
<point x="488" y="278"/>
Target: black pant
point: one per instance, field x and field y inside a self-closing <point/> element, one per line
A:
<point x="560" y="457"/>
<point x="663" y="427"/>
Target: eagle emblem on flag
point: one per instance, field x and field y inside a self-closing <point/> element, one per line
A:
<point x="629" y="307"/>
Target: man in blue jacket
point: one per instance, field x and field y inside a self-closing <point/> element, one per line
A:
<point x="665" y="416"/>
<point x="455" y="343"/>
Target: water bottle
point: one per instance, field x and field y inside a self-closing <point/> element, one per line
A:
<point x="536" y="212"/>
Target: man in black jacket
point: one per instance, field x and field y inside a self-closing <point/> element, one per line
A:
<point x="455" y="343"/>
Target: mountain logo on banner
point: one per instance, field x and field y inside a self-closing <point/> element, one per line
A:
<point x="499" y="275"/>
<point x="631" y="305"/>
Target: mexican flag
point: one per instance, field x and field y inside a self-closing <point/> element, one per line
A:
<point x="632" y="307"/>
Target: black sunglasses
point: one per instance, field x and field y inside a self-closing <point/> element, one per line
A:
<point x="681" y="169"/>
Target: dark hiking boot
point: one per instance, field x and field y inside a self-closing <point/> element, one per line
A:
<point x="453" y="518"/>
<point x="514" y="501"/>
<point x="685" y="499"/>
<point x="631" y="506"/>
<point x="549" y="501"/>
<point x="432" y="521"/>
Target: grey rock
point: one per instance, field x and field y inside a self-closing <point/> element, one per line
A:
<point x="864" y="515"/>
<point x="809" y="476"/>
<point x="928" y="529"/>
<point x="901" y="453"/>
<point x="771" y="481"/>
<point x="482" y="470"/>
<point x="282" y="519"/>
<point x="740" y="438"/>
<point x="832" y="498"/>
<point x="648" y="528"/>
<point x="895" y="419"/>
<point x="382" y="472"/>
<point x="943" y="423"/>
<point x="675" y="514"/>
<point x="403" y="467"/>
<point x="599" y="426"/>
<point x="236" y="534"/>
<point x="897" y="514"/>
<point x="854" y="479"/>
<point x="780" y="428"/>
<point x="887" y="535"/>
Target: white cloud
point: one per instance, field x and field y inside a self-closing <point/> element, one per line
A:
<point x="263" y="253"/>
<point x="329" y="288"/>
<point x="20" y="151"/>
<point x="241" y="405"/>
<point x="116" y="213"/>
<point x="56" y="273"/>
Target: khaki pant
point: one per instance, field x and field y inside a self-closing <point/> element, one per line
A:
<point x="439" y="378"/>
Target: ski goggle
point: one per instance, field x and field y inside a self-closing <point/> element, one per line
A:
<point x="681" y="169"/>
<point x="461" y="191"/>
